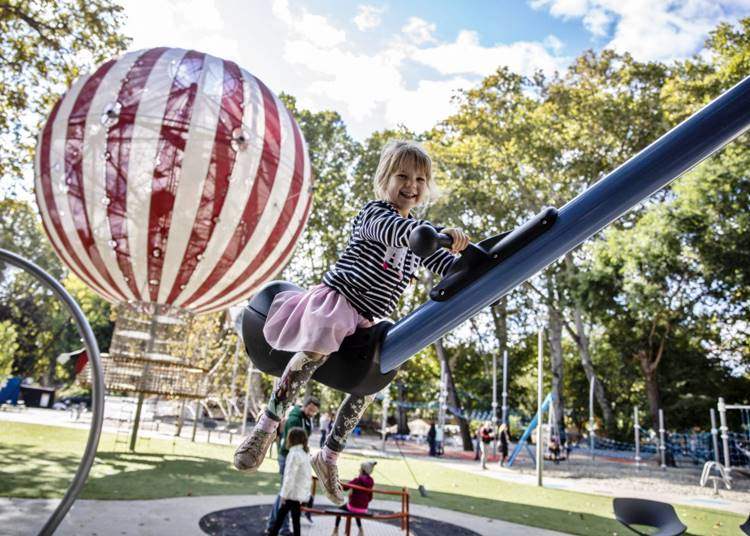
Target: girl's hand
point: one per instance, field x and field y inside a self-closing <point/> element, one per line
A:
<point x="460" y="240"/>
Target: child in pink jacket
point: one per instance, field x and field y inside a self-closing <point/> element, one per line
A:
<point x="358" y="499"/>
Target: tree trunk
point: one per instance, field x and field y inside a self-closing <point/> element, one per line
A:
<point x="582" y="341"/>
<point x="649" y="362"/>
<point x="652" y="386"/>
<point x="50" y="378"/>
<point x="402" y="425"/>
<point x="588" y="367"/>
<point x="554" y="334"/>
<point x="500" y="320"/>
<point x="453" y="399"/>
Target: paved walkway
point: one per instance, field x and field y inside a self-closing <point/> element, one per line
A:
<point x="180" y="516"/>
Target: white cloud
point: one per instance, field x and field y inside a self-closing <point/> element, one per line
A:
<point x="666" y="34"/>
<point x="553" y="43"/>
<point x="368" y="17"/>
<point x="167" y="23"/>
<point x="418" y="31"/>
<point x="661" y="30"/>
<point x="300" y="52"/>
<point x="598" y="21"/>
<point x="369" y="89"/>
<point x="314" y="28"/>
<point x="467" y="55"/>
<point x="423" y="107"/>
<point x="563" y="8"/>
<point x="358" y="81"/>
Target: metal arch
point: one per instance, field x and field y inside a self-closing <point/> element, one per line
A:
<point x="97" y="382"/>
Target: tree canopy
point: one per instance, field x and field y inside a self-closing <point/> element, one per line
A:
<point x="654" y="308"/>
<point x="44" y="46"/>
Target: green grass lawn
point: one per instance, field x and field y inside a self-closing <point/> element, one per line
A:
<point x="39" y="461"/>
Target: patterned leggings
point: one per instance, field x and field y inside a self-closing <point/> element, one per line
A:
<point x="298" y="372"/>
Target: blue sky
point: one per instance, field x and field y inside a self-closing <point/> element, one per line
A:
<point x="384" y="63"/>
<point x="496" y="21"/>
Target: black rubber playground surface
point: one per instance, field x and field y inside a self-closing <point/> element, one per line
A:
<point x="251" y="520"/>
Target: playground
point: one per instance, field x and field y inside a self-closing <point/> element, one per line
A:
<point x="523" y="311"/>
<point x="173" y="482"/>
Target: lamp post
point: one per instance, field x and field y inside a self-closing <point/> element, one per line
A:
<point x="539" y="411"/>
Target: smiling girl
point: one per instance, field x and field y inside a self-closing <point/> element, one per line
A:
<point x="364" y="285"/>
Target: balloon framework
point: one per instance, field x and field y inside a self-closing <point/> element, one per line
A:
<point x="172" y="183"/>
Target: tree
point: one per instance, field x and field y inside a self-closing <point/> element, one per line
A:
<point x="649" y="293"/>
<point x="518" y="144"/>
<point x="8" y="348"/>
<point x="44" y="328"/>
<point x="44" y="46"/>
<point x="20" y="233"/>
<point x="333" y="154"/>
<point x="712" y="203"/>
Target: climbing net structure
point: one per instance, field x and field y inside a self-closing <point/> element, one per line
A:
<point x="402" y="516"/>
<point x="149" y="353"/>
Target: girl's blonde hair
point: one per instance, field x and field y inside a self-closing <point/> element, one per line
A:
<point x="297" y="436"/>
<point x="396" y="152"/>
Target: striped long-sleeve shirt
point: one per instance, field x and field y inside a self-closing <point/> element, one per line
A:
<point x="377" y="264"/>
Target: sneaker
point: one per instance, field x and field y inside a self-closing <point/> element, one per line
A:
<point x="328" y="474"/>
<point x="308" y="515"/>
<point x="249" y="455"/>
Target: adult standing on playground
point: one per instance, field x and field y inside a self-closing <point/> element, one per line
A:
<point x="432" y="438"/>
<point x="485" y="438"/>
<point x="299" y="417"/>
<point x="504" y="437"/>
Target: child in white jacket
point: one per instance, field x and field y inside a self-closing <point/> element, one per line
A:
<point x="297" y="480"/>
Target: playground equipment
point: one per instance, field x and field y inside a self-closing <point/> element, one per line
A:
<point x="662" y="446"/>
<point x="715" y="472"/>
<point x="362" y="374"/>
<point x="480" y="281"/>
<point x="745" y="527"/>
<point x="10" y="391"/>
<point x="389" y="346"/>
<point x="97" y="386"/>
<point x="592" y="421"/>
<point x="172" y="183"/>
<point x="659" y="515"/>
<point x="402" y="516"/>
<point x="173" y="177"/>
<point x="725" y="438"/>
<point x="523" y="441"/>
<point x="637" y="432"/>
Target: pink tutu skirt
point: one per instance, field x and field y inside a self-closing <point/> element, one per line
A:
<point x="313" y="321"/>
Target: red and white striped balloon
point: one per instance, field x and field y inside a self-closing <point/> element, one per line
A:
<point x="174" y="177"/>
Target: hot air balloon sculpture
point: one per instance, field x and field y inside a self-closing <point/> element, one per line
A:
<point x="173" y="183"/>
